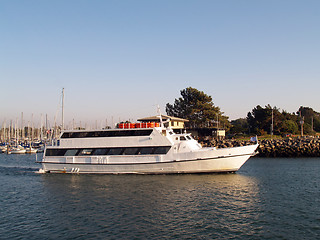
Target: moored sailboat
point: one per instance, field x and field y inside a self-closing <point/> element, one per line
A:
<point x="18" y="150"/>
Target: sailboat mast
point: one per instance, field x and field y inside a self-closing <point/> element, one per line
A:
<point x="62" y="108"/>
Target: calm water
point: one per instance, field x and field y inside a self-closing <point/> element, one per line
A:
<point x="266" y="199"/>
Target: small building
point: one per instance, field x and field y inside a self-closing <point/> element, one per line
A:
<point x="219" y="133"/>
<point x="206" y="132"/>
<point x="168" y="121"/>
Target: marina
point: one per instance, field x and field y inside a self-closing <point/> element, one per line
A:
<point x="13" y="148"/>
<point x="17" y="138"/>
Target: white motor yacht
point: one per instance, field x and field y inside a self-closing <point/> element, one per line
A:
<point x="153" y="150"/>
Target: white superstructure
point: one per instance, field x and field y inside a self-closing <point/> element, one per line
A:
<point x="139" y="150"/>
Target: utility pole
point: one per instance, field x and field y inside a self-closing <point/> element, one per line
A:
<point x="301" y="123"/>
<point x="217" y="122"/>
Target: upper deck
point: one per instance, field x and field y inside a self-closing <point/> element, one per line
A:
<point x="106" y="133"/>
<point x="114" y="138"/>
<point x="122" y="142"/>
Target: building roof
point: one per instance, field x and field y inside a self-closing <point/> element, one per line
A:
<point x="164" y="118"/>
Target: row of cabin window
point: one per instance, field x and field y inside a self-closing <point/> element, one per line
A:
<point x="108" y="151"/>
<point x="113" y="133"/>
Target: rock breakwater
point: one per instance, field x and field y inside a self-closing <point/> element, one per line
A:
<point x="285" y="147"/>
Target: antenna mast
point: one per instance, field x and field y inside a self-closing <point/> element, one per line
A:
<point x="160" y="117"/>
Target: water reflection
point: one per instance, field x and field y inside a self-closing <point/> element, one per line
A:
<point x="161" y="205"/>
<point x="266" y="199"/>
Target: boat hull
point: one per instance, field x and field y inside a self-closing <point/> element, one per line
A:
<point x="211" y="161"/>
<point x="21" y="151"/>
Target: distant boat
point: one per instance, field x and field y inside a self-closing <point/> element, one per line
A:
<point x="31" y="150"/>
<point x="40" y="149"/>
<point x="3" y="149"/>
<point x="18" y="150"/>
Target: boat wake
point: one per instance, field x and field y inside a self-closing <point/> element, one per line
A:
<point x="40" y="171"/>
<point x="13" y="170"/>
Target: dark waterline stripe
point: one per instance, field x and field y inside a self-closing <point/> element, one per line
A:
<point x="172" y="161"/>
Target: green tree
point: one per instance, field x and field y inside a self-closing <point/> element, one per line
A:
<point x="260" y="120"/>
<point x="290" y="126"/>
<point x="198" y="108"/>
<point x="310" y="118"/>
<point x="239" y="126"/>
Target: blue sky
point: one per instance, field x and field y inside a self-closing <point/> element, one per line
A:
<point x="119" y="59"/>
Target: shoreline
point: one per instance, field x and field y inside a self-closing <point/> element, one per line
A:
<point x="307" y="146"/>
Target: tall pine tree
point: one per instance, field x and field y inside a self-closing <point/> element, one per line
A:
<point x="198" y="108"/>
